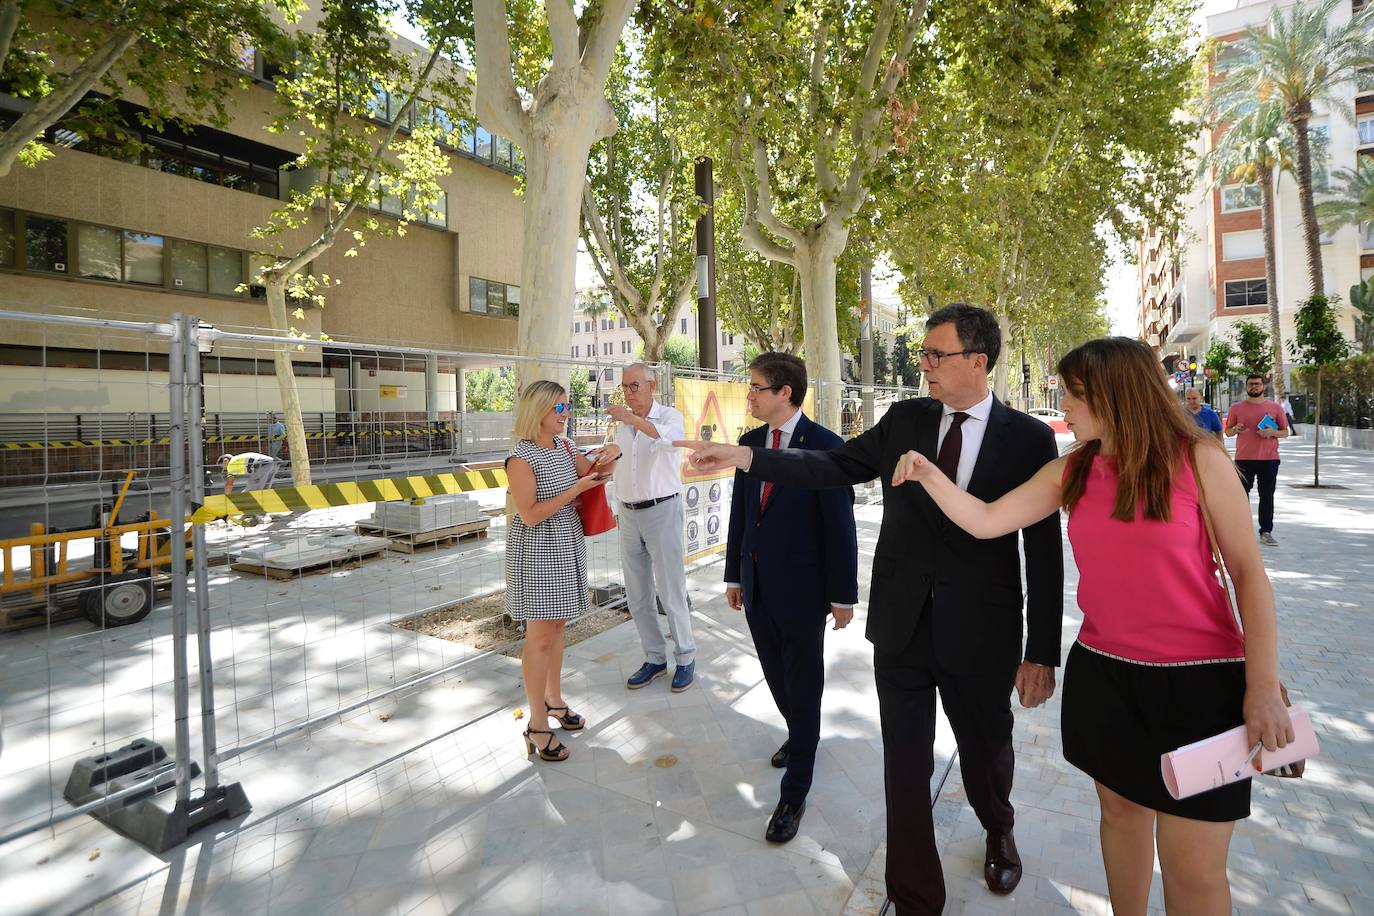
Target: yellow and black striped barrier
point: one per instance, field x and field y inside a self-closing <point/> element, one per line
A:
<point x="351" y="493"/>
<point x="238" y="437"/>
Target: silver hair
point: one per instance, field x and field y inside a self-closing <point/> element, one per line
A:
<point x="648" y="373"/>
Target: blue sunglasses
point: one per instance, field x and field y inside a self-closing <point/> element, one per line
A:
<point x="562" y="408"/>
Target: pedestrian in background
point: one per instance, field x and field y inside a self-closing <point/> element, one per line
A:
<point x="276" y="435"/>
<point x="546" y="554"/>
<point x="1203" y="415"/>
<point x="1160" y="661"/>
<point x="1258" y="424"/>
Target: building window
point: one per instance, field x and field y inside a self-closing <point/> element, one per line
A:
<point x="226" y="271"/>
<point x="6" y="238"/>
<point x="574" y="351"/>
<point x="97" y="252"/>
<point x="684" y="325"/>
<point x="1237" y="246"/>
<point x="189" y="266"/>
<point x="1366" y="127"/>
<point x="1240" y="197"/>
<point x="1245" y="293"/>
<point x="45" y="244"/>
<point x="492" y="298"/>
<point x="606" y="349"/>
<point x="1233" y="54"/>
<point x="622" y="321"/>
<point x="105" y="253"/>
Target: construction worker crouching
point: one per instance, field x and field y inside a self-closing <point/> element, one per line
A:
<point x="257" y="468"/>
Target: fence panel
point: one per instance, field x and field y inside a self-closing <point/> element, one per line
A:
<point x="89" y="547"/>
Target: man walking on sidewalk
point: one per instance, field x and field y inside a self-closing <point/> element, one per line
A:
<point x="1259" y="423"/>
<point x="647" y="485"/>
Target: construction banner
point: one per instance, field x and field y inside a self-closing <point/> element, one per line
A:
<point x="324" y="496"/>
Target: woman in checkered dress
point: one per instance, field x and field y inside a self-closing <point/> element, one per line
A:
<point x="546" y="556"/>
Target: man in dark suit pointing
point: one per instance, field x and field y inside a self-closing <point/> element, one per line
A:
<point x="945" y="609"/>
<point x="791" y="561"/>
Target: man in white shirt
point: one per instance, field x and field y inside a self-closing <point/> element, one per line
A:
<point x="648" y="485"/>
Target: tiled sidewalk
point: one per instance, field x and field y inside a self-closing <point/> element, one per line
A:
<point x="662" y="807"/>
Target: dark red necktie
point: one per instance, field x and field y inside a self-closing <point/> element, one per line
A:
<point x="948" y="459"/>
<point x="768" y="485"/>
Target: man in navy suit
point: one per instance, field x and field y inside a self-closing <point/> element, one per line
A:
<point x="791" y="561"/>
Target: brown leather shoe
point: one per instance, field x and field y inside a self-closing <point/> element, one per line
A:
<point x="1002" y="867"/>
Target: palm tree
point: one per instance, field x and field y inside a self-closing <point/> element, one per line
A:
<point x="1353" y="202"/>
<point x="1298" y="60"/>
<point x="1255" y="149"/>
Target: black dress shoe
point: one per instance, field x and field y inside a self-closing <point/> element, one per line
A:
<point x="1002" y="867"/>
<point x="779" y="758"/>
<point x="782" y="826"/>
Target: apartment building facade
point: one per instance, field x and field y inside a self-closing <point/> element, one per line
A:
<point x="1193" y="292"/>
<point x="168" y="229"/>
<point x="608" y="343"/>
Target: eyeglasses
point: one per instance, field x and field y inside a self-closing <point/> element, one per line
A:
<point x="562" y="408"/>
<point x="632" y="387"/>
<point x="759" y="389"/>
<point x="934" y="356"/>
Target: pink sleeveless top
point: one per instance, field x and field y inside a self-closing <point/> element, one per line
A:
<point x="1148" y="589"/>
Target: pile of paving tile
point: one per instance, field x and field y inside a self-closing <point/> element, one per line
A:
<point x="435" y="513"/>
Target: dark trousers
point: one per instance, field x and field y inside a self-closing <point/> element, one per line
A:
<point x="791" y="649"/>
<point x="1267" y="473"/>
<point x="979" y="710"/>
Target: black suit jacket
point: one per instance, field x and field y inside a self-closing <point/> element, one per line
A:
<point x="798" y="554"/>
<point x="974" y="586"/>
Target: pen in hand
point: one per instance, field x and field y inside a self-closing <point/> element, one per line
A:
<point x="1254" y="752"/>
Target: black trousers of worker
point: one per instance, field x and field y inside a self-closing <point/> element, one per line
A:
<point x="978" y="707"/>
<point x="791" y="650"/>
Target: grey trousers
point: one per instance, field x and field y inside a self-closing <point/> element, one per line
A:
<point x="652" y="557"/>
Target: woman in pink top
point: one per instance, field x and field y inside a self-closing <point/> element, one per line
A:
<point x="1160" y="660"/>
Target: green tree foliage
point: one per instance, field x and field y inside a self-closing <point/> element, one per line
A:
<point x="370" y="117"/>
<point x="1253" y="348"/>
<point x="1362" y="298"/>
<point x="1044" y="130"/>
<point x="639" y="206"/>
<point x="1221" y="358"/>
<point x="491" y="390"/>
<point x="70" y="62"/>
<point x="679" y="351"/>
<point x="1319" y="344"/>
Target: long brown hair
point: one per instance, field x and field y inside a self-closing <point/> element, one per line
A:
<point x="1124" y="386"/>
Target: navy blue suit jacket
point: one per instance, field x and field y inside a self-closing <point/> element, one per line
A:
<point x="799" y="554"/>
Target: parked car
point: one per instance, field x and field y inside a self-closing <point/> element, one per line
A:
<point x="1052" y="418"/>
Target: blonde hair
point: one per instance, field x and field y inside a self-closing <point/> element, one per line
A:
<point x="536" y="400"/>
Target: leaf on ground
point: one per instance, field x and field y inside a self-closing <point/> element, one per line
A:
<point x="384" y="717"/>
<point x="95" y="854"/>
<point x="519" y="713"/>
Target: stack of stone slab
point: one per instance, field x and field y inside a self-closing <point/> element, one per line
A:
<point x="308" y="552"/>
<point x="434" y="514"/>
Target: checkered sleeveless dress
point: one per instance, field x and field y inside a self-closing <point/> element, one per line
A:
<point x="546" y="565"/>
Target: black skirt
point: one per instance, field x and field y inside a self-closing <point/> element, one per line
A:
<point x="1119" y="717"/>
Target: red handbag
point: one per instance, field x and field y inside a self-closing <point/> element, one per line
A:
<point x="593" y="508"/>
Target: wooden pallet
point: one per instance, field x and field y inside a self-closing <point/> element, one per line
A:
<point x="19" y="617"/>
<point x="283" y="572"/>
<point x="408" y="542"/>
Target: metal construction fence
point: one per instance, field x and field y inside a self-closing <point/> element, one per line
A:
<point x="152" y="665"/>
<point x="145" y="658"/>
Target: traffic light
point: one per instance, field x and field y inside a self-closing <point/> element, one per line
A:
<point x="1192" y="369"/>
<point x="1025" y="373"/>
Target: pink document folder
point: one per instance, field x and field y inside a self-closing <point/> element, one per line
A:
<point x="1221" y="759"/>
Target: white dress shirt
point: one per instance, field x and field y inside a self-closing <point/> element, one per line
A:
<point x="784" y="441"/>
<point x="649" y="468"/>
<point x="973" y="428"/>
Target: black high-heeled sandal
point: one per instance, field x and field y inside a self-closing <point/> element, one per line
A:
<point x="570" y="720"/>
<point x="554" y="752"/>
